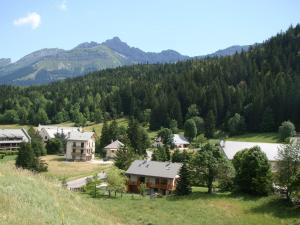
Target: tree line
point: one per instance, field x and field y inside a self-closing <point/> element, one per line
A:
<point x="261" y="88"/>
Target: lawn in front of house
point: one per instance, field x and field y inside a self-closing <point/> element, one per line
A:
<point x="256" y="137"/>
<point x="59" y="168"/>
<point x="200" y="208"/>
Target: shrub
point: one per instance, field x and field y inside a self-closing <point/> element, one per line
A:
<point x="253" y="172"/>
<point x="286" y="130"/>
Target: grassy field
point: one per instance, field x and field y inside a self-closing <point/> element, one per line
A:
<point x="14" y="126"/>
<point x="35" y="199"/>
<point x="201" y="208"/>
<point x="256" y="137"/>
<point x="59" y="168"/>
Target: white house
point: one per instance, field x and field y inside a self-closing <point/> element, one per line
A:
<point x="49" y="132"/>
<point x="112" y="148"/>
<point x="80" y="146"/>
<point x="179" y="141"/>
<point x="10" y="139"/>
<point x="230" y="148"/>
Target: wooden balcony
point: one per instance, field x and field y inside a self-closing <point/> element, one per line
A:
<point x="152" y="185"/>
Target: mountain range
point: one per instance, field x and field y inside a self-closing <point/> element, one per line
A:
<point x="52" y="64"/>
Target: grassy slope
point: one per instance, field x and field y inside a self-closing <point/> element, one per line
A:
<point x="34" y="200"/>
<point x="201" y="208"/>
<point x="256" y="137"/>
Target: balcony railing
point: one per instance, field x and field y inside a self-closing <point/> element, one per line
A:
<point x="152" y="185"/>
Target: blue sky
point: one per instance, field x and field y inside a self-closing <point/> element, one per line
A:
<point x="192" y="27"/>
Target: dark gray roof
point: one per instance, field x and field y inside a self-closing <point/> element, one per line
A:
<point x="11" y="134"/>
<point x="154" y="168"/>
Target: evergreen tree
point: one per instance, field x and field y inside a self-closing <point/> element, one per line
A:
<point x="268" y="121"/>
<point x="26" y="158"/>
<point x="124" y="157"/>
<point x="37" y="143"/>
<point x="183" y="186"/>
<point x="53" y="146"/>
<point x="236" y="124"/>
<point x="210" y="124"/>
<point x="190" y="129"/>
<point x="105" y="135"/>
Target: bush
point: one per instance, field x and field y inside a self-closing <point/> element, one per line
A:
<point x="253" y="172"/>
<point x="286" y="130"/>
<point x="2" y="156"/>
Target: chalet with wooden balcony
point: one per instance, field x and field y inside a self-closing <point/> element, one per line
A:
<point x="159" y="177"/>
<point x="80" y="146"/>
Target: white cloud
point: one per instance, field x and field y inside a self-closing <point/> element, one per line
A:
<point x="63" y="5"/>
<point x="33" y="19"/>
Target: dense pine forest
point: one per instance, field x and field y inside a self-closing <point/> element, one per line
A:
<point x="262" y="85"/>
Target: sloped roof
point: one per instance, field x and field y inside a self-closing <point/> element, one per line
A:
<point x="154" y="168"/>
<point x="232" y="147"/>
<point x="53" y="130"/>
<point x="15" y="133"/>
<point x="180" y="140"/>
<point x="80" y="136"/>
<point x="114" y="145"/>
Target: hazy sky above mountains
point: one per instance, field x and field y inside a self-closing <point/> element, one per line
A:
<point x="191" y="27"/>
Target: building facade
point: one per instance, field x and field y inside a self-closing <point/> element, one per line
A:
<point x="112" y="149"/>
<point x="80" y="146"/>
<point x="159" y="177"/>
<point x="10" y="139"/>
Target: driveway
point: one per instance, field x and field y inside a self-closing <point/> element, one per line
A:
<point x="79" y="183"/>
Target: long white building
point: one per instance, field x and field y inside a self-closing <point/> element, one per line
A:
<point x="10" y="139"/>
<point x="49" y="132"/>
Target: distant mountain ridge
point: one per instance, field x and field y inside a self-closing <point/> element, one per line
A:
<point x="52" y="64"/>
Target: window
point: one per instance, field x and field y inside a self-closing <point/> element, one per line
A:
<point x="82" y="144"/>
<point x="74" y="150"/>
<point x="74" y="144"/>
<point x="81" y="151"/>
<point x="164" y="181"/>
<point x="156" y="180"/>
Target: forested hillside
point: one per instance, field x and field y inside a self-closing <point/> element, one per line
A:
<point x="262" y="85"/>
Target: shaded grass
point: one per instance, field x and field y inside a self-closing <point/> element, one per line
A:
<point x="256" y="137"/>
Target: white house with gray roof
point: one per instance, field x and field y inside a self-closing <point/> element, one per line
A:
<point x="112" y="148"/>
<point x="158" y="176"/>
<point x="10" y="139"/>
<point x="178" y="141"/>
<point x="80" y="146"/>
<point x="230" y="148"/>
